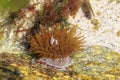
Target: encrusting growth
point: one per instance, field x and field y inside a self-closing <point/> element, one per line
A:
<point x="55" y="42"/>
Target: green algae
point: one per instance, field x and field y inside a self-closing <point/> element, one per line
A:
<point x="12" y="4"/>
<point x="96" y="61"/>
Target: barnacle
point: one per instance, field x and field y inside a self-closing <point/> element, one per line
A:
<point x="56" y="11"/>
<point x="56" y="42"/>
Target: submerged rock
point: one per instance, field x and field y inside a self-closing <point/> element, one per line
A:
<point x="97" y="61"/>
<point x="8" y="72"/>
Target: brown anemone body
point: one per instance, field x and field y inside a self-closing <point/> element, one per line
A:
<point x="55" y="43"/>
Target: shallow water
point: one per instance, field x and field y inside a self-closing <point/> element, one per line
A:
<point x="95" y="62"/>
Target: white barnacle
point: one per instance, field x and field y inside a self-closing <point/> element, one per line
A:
<point x="53" y="40"/>
<point x="56" y="42"/>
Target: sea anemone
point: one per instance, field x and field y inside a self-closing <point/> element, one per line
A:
<point x="56" y="11"/>
<point x="55" y="42"/>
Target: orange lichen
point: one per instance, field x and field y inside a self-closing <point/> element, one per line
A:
<point x="55" y="42"/>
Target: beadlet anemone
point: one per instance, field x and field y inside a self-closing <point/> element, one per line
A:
<point x="55" y="42"/>
<point x="55" y="11"/>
